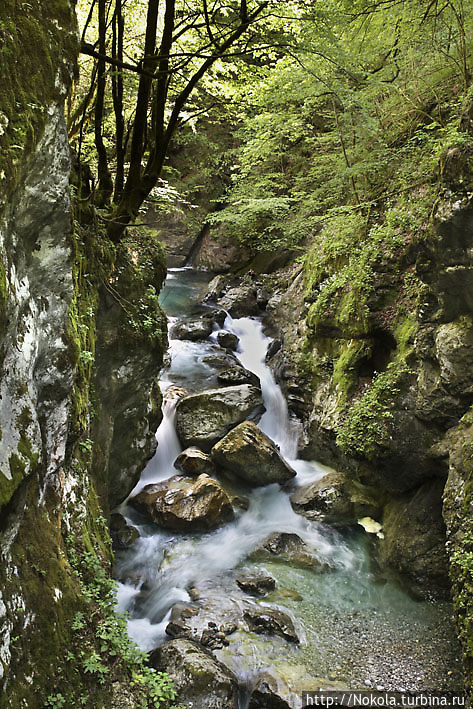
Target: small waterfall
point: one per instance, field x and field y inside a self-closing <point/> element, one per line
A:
<point x="160" y="466"/>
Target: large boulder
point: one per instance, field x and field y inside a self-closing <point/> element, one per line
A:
<point x="414" y="540"/>
<point x="200" y="680"/>
<point x="335" y="499"/>
<point x="250" y="455"/>
<point x="185" y="504"/>
<point x="203" y="419"/>
<point x="193" y="462"/>
<point x="240" y="301"/>
<point x="237" y="375"/>
<point x="289" y="548"/>
<point x="270" y="621"/>
<point x="194" y="330"/>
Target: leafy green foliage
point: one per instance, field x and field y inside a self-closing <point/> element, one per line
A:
<point x="102" y="647"/>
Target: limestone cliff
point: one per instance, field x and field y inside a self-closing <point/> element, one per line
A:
<point x="65" y="435"/>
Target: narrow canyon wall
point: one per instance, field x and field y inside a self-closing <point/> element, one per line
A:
<point x="71" y="443"/>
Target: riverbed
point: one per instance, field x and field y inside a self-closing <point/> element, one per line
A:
<point x="357" y="629"/>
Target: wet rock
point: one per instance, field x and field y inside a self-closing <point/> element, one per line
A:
<point x="123" y="534"/>
<point x="185" y="504"/>
<point x="228" y="340"/>
<point x="290" y="548"/>
<point x="218" y="315"/>
<point x="203" y="419"/>
<point x="194" y="330"/>
<point x="228" y="628"/>
<point x="199" y="679"/>
<point x="213" y="638"/>
<point x="273" y="348"/>
<point x="193" y="462"/>
<point x="269" y="621"/>
<point x="256" y="585"/>
<point x="414" y="540"/>
<point x="178" y="630"/>
<point x="183" y="611"/>
<point x="266" y="694"/>
<point x="237" y="375"/>
<point x="250" y="455"/>
<point x="335" y="499"/>
<point x="240" y="301"/>
<point x="221" y="361"/>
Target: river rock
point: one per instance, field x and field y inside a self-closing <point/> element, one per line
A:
<point x="123" y="534"/>
<point x="193" y="462"/>
<point x="334" y="499"/>
<point x="228" y="340"/>
<point x="240" y="301"/>
<point x="237" y="375"/>
<point x="290" y="548"/>
<point x="266" y="694"/>
<point x="199" y="679"/>
<point x="256" y="585"/>
<point x="203" y="419"/>
<point x="270" y="621"/>
<point x="218" y="315"/>
<point x="221" y="361"/>
<point x="194" y="330"/>
<point x="250" y="455"/>
<point x="185" y="504"/>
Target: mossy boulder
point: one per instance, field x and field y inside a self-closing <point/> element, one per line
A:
<point x="185" y="504"/>
<point x="251" y="456"/>
<point x="199" y="679"/>
<point x="203" y="419"/>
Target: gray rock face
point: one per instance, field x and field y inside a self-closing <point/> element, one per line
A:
<point x="335" y="499"/>
<point x="269" y="621"/>
<point x="288" y="548"/>
<point x="185" y="504"/>
<point x="37" y="368"/>
<point x="194" y="462"/>
<point x="199" y="679"/>
<point x="414" y="540"/>
<point x="203" y="419"/>
<point x="251" y="456"/>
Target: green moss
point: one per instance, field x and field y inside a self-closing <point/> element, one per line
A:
<point x="35" y="39"/>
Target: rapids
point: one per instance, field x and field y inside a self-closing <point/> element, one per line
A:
<point x="328" y="609"/>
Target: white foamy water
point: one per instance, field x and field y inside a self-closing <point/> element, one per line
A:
<point x="167" y="564"/>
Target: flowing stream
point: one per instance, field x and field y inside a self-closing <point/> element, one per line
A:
<point x="354" y="627"/>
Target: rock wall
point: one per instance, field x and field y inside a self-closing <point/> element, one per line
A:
<point x="71" y="443"/>
<point x="387" y="398"/>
